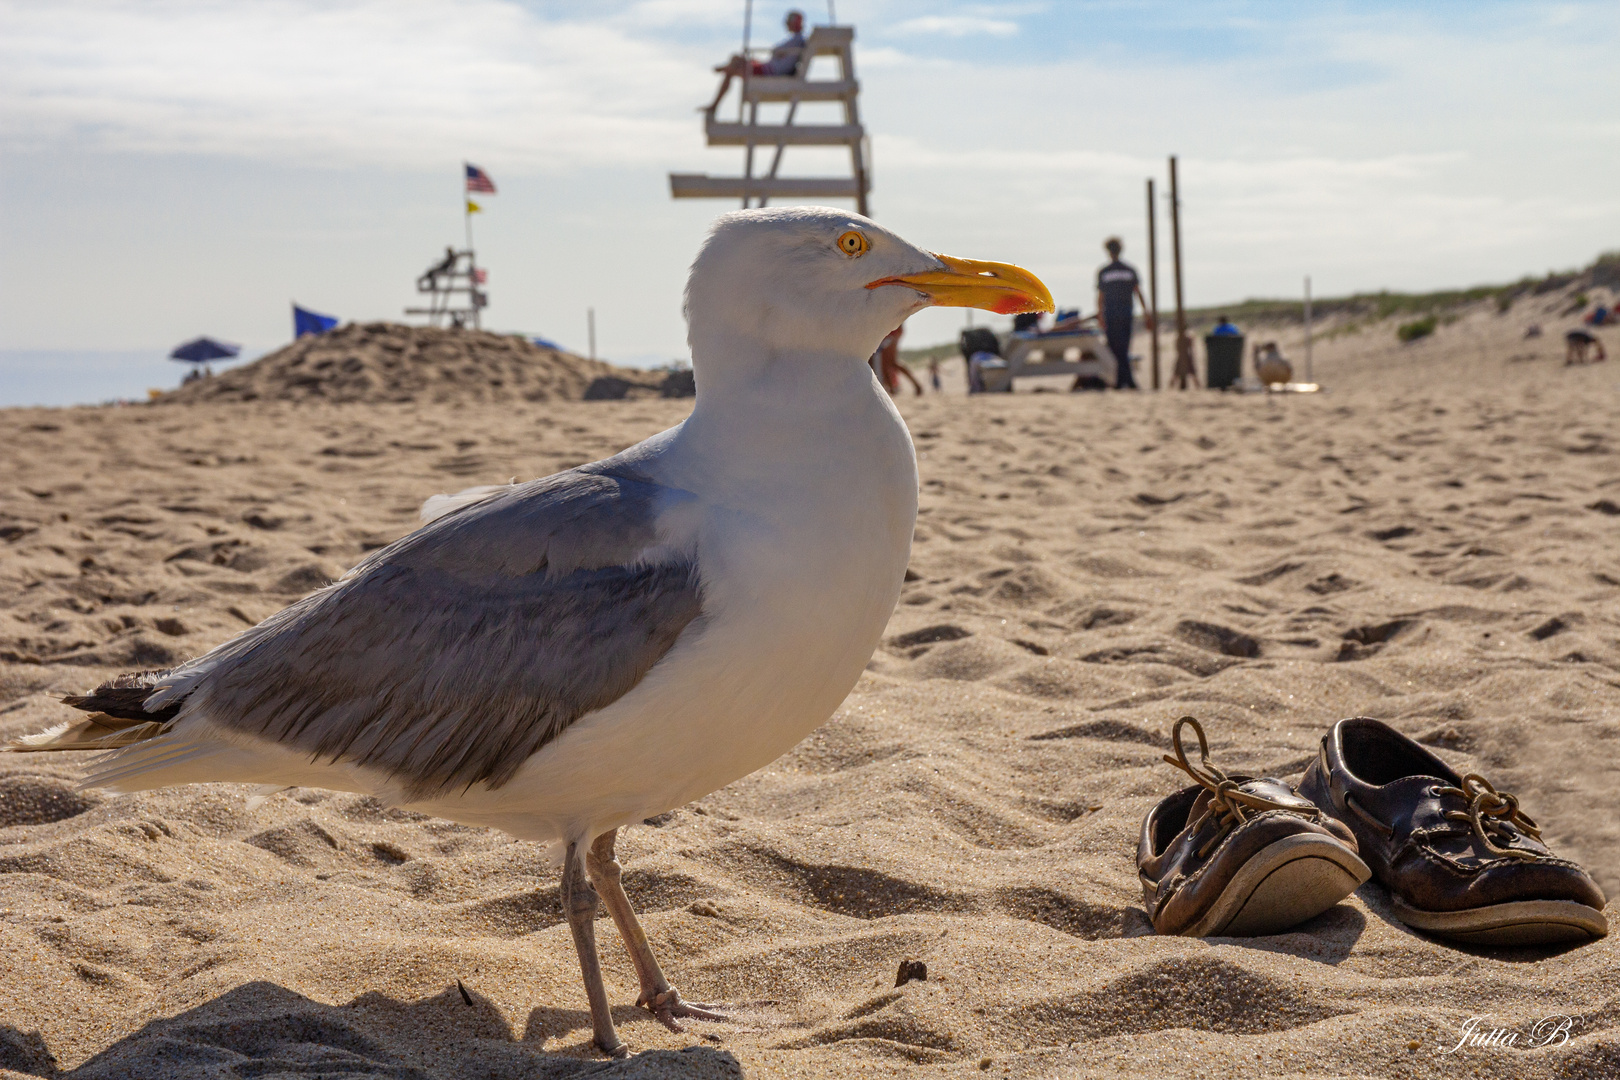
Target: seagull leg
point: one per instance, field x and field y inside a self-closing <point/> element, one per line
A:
<point x="579" y="901"/>
<point x="657" y="996"/>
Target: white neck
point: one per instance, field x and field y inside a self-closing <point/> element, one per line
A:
<point x="784" y="409"/>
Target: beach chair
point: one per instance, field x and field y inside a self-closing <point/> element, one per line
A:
<point x="1081" y="352"/>
<point x="748" y="132"/>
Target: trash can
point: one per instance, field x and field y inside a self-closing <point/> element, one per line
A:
<point x="1225" y="355"/>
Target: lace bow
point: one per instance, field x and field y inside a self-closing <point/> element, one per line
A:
<point x="1490" y="813"/>
<point x="1230" y="806"/>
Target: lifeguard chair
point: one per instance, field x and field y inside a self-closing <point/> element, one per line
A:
<point x="452" y="287"/>
<point x="748" y="132"/>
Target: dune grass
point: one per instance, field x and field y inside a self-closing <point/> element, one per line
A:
<point x="1419" y="309"/>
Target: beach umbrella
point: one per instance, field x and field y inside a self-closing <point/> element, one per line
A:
<point x="203" y="349"/>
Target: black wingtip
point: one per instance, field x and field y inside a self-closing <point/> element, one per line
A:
<point x="125" y="697"/>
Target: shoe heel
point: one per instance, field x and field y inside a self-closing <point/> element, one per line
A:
<point x="1284" y="884"/>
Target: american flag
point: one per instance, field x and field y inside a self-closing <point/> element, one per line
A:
<point x="478" y="180"/>
<point x="481" y="276"/>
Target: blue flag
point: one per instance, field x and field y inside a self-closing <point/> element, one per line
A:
<point x="309" y="322"/>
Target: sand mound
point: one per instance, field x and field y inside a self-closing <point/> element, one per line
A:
<point x="388" y="362"/>
<point x="1435" y="542"/>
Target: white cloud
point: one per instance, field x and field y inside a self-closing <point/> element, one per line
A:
<point x="954" y="26"/>
<point x="377" y="81"/>
<point x="683" y="13"/>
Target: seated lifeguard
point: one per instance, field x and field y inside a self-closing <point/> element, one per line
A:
<point x="784" y="58"/>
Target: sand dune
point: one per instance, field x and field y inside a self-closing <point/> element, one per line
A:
<point x="375" y="363"/>
<point x="1433" y="542"/>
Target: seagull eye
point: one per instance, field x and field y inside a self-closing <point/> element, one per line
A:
<point x="853" y="244"/>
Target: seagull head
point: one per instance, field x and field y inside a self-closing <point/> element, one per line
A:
<point x="811" y="281"/>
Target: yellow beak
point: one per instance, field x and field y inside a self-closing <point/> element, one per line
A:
<point x="1000" y="287"/>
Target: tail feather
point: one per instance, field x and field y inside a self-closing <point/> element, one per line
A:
<point x="120" y="718"/>
<point x="99" y="732"/>
<point x="119" y="772"/>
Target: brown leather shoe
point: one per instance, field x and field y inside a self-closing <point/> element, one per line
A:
<point x="1460" y="858"/>
<point x="1240" y="856"/>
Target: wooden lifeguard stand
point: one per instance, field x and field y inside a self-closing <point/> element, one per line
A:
<point x="747" y="131"/>
<point x="452" y="287"/>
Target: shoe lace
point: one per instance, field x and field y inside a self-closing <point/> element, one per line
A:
<point x="1490" y="812"/>
<point x="1230" y="806"/>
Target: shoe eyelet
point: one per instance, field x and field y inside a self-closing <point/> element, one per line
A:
<point x="1432" y="791"/>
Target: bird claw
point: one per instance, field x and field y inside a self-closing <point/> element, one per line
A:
<point x="668" y="1007"/>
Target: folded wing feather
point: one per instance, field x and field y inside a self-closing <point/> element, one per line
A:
<point x="452" y="655"/>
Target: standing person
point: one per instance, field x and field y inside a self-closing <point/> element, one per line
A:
<point x="889" y="366"/>
<point x="1117" y="285"/>
<point x="933" y="373"/>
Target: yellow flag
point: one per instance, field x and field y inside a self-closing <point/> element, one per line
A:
<point x="474" y="208"/>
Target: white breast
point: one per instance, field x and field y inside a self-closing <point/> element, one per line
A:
<point x="800" y="576"/>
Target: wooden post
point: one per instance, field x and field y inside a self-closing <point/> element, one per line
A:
<point x="1186" y="371"/>
<point x="742" y="98"/>
<point x="1153" y="284"/>
<point x="860" y="151"/>
<point x="1309" y="375"/>
<point x="863" y="170"/>
<point x="590" y="329"/>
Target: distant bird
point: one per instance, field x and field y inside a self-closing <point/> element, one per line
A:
<point x="563" y="657"/>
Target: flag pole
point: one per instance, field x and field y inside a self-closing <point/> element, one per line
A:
<point x="472" y="261"/>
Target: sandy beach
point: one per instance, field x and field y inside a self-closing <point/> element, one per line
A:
<point x="1434" y="541"/>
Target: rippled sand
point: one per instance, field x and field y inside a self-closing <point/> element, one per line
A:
<point x="1433" y="542"/>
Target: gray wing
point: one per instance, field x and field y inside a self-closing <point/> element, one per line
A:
<point x="451" y="656"/>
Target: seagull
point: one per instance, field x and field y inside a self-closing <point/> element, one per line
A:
<point x="563" y="657"/>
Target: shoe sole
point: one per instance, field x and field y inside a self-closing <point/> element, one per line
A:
<point x="1285" y="883"/>
<point x="1523" y="922"/>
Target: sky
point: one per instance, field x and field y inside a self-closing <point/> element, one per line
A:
<point x="170" y="168"/>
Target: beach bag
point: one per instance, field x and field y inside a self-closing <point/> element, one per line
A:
<point x="976" y="339"/>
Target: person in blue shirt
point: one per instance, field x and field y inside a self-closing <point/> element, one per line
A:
<point x="1223" y="328"/>
<point x="784" y="59"/>
<point x="1118" y="291"/>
